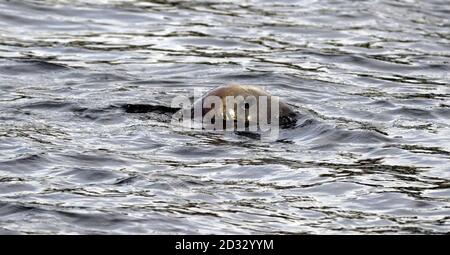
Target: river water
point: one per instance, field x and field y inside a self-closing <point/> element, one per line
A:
<point x="371" y="154"/>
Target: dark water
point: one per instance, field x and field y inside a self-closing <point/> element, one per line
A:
<point x="371" y="155"/>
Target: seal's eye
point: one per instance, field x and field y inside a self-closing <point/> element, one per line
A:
<point x="245" y="106"/>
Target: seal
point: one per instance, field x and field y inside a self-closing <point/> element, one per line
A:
<point x="231" y="106"/>
<point x="252" y="102"/>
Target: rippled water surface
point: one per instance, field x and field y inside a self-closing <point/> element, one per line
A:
<point x="370" y="155"/>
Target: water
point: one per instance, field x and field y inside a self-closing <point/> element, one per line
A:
<point x="371" y="155"/>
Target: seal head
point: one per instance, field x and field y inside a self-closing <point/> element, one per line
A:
<point x="245" y="104"/>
